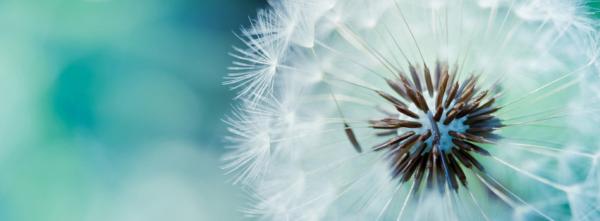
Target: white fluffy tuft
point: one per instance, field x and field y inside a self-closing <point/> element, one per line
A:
<point x="307" y="68"/>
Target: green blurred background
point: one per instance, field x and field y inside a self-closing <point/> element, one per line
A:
<point x="111" y="109"/>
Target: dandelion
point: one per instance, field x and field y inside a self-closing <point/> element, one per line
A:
<point x="418" y="110"/>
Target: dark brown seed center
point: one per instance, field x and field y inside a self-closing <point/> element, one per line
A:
<point x="441" y="123"/>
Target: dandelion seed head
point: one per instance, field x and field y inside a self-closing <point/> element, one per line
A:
<point x="435" y="110"/>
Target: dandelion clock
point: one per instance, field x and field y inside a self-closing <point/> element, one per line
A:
<point x="417" y="110"/>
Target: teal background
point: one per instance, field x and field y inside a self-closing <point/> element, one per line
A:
<point x="111" y="109"/>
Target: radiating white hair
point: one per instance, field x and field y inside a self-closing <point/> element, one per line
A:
<point x="307" y="76"/>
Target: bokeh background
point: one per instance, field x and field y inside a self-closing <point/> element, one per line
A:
<point x="111" y="109"/>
